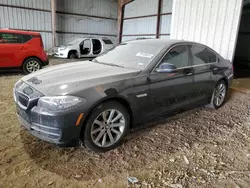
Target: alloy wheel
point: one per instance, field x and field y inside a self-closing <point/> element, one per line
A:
<point x="108" y="128"/>
<point x="33" y="66"/>
<point x="219" y="94"/>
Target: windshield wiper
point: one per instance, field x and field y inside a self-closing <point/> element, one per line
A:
<point x="110" y="64"/>
<point x="114" y="65"/>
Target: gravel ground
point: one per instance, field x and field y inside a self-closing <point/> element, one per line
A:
<point x="196" y="148"/>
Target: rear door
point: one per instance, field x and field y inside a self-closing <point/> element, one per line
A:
<point x="107" y="44"/>
<point x="11" y="50"/>
<point x="171" y="91"/>
<point x="203" y="61"/>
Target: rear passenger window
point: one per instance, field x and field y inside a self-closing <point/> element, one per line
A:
<point x="177" y="56"/>
<point x="107" y="41"/>
<point x="26" y="38"/>
<point x="10" y="38"/>
<point x="201" y="55"/>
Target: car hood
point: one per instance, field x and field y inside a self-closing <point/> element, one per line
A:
<point x="73" y="77"/>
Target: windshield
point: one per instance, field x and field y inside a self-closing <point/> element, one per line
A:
<point x="75" y="41"/>
<point x="130" y="55"/>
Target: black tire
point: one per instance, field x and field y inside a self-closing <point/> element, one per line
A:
<point x="72" y="55"/>
<point x="26" y="68"/>
<point x="86" y="135"/>
<point x="213" y="104"/>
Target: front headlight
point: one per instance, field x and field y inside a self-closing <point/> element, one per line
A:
<point x="16" y="86"/>
<point x="58" y="103"/>
<point x="62" y="48"/>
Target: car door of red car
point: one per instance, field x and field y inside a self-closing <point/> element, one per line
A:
<point x="11" y="50"/>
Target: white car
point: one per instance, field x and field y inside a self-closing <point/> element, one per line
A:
<point x="83" y="47"/>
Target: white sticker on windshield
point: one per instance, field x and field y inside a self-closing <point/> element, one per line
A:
<point x="140" y="54"/>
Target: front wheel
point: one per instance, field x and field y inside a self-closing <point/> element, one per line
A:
<point x="72" y="55"/>
<point x="31" y="65"/>
<point x="219" y="95"/>
<point x="106" y="127"/>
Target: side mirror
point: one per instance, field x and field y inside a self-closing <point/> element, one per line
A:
<point x="167" y="68"/>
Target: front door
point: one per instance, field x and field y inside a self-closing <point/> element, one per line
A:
<point x="11" y="50"/>
<point x="86" y="48"/>
<point x="170" y="91"/>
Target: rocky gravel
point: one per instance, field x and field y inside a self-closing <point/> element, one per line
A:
<point x="196" y="148"/>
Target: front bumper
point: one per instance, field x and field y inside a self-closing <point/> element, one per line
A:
<point x="61" y="55"/>
<point x="58" y="128"/>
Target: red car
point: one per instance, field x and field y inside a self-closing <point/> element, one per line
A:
<point x="22" y="49"/>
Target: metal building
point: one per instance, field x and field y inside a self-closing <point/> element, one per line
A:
<point x="33" y="15"/>
<point x="75" y="18"/>
<point x="147" y="18"/>
<point x="211" y="22"/>
<point x="86" y="18"/>
<point x="214" y="23"/>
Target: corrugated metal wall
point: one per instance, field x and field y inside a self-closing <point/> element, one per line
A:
<point x="214" y="23"/>
<point x="166" y="17"/>
<point x="31" y="15"/>
<point x="80" y="18"/>
<point x="75" y="18"/>
<point x="140" y="19"/>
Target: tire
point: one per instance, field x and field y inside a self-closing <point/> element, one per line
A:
<point x="31" y="65"/>
<point x="214" y="103"/>
<point x="90" y="136"/>
<point x="72" y="55"/>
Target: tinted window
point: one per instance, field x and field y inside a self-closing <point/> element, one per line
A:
<point x="177" y="56"/>
<point x="107" y="41"/>
<point x="14" y="38"/>
<point x="26" y="38"/>
<point x="201" y="55"/>
<point x="10" y="38"/>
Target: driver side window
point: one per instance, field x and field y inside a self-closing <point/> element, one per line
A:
<point x="178" y="56"/>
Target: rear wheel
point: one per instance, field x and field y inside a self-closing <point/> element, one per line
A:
<point x="219" y="95"/>
<point x="106" y="127"/>
<point x="31" y="65"/>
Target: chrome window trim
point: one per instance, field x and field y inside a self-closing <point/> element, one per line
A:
<point x="196" y="65"/>
<point x="191" y="66"/>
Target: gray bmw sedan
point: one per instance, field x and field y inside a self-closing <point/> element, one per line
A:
<point x="98" y="102"/>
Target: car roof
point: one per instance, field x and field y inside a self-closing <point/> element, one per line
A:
<point x="156" y="41"/>
<point x="165" y="42"/>
<point x="19" y="32"/>
<point x="168" y="43"/>
<point x="102" y="38"/>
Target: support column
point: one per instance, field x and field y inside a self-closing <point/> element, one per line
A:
<point x="53" y="22"/>
<point x="158" y="25"/>
<point x="121" y="5"/>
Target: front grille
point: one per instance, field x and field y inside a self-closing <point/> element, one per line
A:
<point x="24" y="100"/>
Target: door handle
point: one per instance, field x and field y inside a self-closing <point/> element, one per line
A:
<point x="215" y="69"/>
<point x="189" y="74"/>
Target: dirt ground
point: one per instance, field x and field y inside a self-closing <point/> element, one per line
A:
<point x="197" y="148"/>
